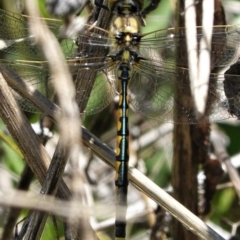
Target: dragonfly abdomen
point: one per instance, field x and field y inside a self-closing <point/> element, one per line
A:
<point x="122" y="151"/>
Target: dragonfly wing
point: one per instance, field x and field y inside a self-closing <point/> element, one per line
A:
<point x="153" y="93"/>
<point x="16" y="40"/>
<point x="95" y="84"/>
<point x="232" y="89"/>
<point x="34" y="75"/>
<point x="170" y="45"/>
<point x="102" y="94"/>
<point x="37" y="75"/>
<point x="217" y="103"/>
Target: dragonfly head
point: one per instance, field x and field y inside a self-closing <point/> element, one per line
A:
<point x="125" y="7"/>
<point x="126" y="31"/>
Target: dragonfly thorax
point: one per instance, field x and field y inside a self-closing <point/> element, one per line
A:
<point x="127" y="39"/>
<point x="126" y="31"/>
<point x="126" y="58"/>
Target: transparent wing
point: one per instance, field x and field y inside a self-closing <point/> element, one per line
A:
<point x="153" y="93"/>
<point x="37" y="75"/>
<point x="16" y="40"/>
<point x="159" y="45"/>
<point x="232" y="89"/>
<point x="169" y="45"/>
<point x="102" y="94"/>
<point x="104" y="88"/>
<point x="152" y="89"/>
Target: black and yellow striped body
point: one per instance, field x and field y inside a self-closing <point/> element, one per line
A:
<point x="122" y="152"/>
<point x="126" y="33"/>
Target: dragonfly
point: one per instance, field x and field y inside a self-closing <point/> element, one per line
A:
<point x="157" y="49"/>
<point x="142" y="70"/>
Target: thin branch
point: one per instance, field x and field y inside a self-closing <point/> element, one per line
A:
<point x="199" y="57"/>
<point x="22" y="132"/>
<point x="69" y="123"/>
<point x="24" y="183"/>
<point x="69" y="119"/>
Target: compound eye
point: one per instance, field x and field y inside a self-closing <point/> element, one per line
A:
<point x="135" y="39"/>
<point x="119" y="37"/>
